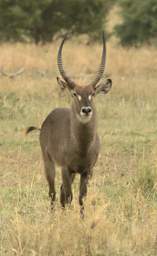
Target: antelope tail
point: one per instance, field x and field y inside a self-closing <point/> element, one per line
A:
<point x="32" y="128"/>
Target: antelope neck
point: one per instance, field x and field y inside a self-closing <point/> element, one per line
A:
<point x="83" y="133"/>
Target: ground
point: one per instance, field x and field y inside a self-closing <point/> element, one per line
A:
<point x="121" y="206"/>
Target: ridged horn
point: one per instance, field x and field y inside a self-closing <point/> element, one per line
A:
<point x="102" y="65"/>
<point x="60" y="65"/>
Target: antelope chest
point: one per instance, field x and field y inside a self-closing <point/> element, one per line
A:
<point x="82" y="161"/>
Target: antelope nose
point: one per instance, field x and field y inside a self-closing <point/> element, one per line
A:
<point x="86" y="110"/>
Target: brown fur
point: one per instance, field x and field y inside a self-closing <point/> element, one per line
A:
<point x="71" y="144"/>
<point x="69" y="138"/>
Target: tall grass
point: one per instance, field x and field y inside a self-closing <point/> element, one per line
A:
<point x="121" y="207"/>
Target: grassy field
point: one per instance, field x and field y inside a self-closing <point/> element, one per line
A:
<point x="121" y="207"/>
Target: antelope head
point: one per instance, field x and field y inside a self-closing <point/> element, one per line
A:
<point x="83" y="95"/>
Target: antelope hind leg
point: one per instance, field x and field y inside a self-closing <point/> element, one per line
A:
<point x="50" y="176"/>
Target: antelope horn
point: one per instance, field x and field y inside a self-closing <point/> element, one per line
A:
<point x="102" y="65"/>
<point x="60" y="65"/>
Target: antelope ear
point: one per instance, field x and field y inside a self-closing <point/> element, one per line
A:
<point x="62" y="83"/>
<point x="104" y="87"/>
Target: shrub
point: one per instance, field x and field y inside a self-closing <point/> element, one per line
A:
<point x="139" y="22"/>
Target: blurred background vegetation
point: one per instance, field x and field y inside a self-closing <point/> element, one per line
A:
<point x="42" y="21"/>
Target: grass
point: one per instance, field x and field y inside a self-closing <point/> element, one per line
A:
<point x="121" y="206"/>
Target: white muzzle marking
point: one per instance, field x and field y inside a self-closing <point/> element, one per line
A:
<point x="84" y="118"/>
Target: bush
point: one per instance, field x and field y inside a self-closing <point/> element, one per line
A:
<point x="41" y="20"/>
<point x="139" y="23"/>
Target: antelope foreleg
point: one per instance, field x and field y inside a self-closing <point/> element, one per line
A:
<point x="66" y="195"/>
<point x="83" y="191"/>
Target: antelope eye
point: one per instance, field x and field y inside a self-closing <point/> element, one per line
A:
<point x="74" y="93"/>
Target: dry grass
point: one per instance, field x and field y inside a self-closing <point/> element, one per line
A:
<point x="121" y="208"/>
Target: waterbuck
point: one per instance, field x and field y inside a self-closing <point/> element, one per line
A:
<point x="68" y="136"/>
